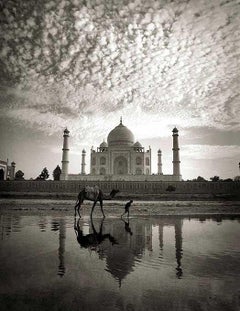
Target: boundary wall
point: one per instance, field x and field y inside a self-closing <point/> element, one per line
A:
<point x="130" y="178"/>
<point x="126" y="187"/>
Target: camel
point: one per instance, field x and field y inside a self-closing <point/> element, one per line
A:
<point x="94" y="239"/>
<point x="93" y="194"/>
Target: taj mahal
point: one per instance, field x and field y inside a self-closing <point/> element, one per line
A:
<point x="121" y="158"/>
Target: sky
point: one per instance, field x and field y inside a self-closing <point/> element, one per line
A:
<point x="84" y="64"/>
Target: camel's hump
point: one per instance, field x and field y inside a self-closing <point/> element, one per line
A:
<point x="92" y="192"/>
<point x="93" y="189"/>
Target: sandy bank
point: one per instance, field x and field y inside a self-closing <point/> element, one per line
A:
<point x="116" y="208"/>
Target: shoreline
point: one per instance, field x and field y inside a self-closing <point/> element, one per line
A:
<point x="115" y="208"/>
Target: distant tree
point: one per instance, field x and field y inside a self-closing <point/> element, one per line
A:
<point x="56" y="173"/>
<point x="215" y="178"/>
<point x="19" y="175"/>
<point x="171" y="188"/>
<point x="228" y="180"/>
<point x="44" y="174"/>
<point x="199" y="178"/>
<point x="237" y="178"/>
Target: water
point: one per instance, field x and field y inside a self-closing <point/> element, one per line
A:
<point x="162" y="263"/>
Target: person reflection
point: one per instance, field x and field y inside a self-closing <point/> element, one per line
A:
<point x="127" y="227"/>
<point x="94" y="239"/>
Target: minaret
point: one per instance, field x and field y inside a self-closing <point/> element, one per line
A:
<point x="150" y="154"/>
<point x="6" y="170"/>
<point x="65" y="161"/>
<point x="160" y="162"/>
<point x="12" y="170"/>
<point x="176" y="161"/>
<point x="83" y="162"/>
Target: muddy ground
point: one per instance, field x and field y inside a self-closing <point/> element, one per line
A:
<point x="116" y="208"/>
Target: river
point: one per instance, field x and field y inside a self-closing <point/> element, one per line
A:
<point x="58" y="262"/>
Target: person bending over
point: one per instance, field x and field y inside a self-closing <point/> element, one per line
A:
<point x="127" y="206"/>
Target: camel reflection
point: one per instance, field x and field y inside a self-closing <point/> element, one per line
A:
<point x="94" y="239"/>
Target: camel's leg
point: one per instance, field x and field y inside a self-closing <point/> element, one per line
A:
<point x="76" y="205"/>
<point x="79" y="206"/>
<point x="95" y="202"/>
<point x="101" y="205"/>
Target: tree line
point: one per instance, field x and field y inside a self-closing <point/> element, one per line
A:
<point x="44" y="175"/>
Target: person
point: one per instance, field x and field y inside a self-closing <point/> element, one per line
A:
<point x="127" y="206"/>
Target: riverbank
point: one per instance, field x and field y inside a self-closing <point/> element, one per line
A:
<point x="126" y="196"/>
<point x="116" y="208"/>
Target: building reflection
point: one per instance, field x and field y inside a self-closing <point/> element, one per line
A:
<point x="177" y="223"/>
<point x="121" y="243"/>
<point x="60" y="225"/>
<point x="160" y="230"/>
<point x="42" y="223"/>
<point x="8" y="224"/>
<point x="134" y="239"/>
<point x="61" y="249"/>
<point x="120" y="260"/>
<point x="178" y="246"/>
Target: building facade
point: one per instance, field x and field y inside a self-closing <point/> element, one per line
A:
<point x="7" y="171"/>
<point x="121" y="155"/>
<point x="121" y="158"/>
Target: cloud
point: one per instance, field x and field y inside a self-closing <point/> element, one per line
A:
<point x="209" y="152"/>
<point x="156" y="63"/>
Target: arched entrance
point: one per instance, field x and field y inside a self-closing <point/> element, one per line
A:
<point x="120" y="166"/>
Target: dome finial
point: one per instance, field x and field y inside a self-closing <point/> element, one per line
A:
<point x="121" y="120"/>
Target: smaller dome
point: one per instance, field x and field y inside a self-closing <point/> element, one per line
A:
<point x="137" y="145"/>
<point x="83" y="151"/>
<point x="103" y="144"/>
<point x="175" y="130"/>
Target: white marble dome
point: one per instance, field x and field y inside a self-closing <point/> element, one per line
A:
<point x="120" y="135"/>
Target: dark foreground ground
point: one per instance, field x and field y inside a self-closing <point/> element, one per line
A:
<point x="116" y="208"/>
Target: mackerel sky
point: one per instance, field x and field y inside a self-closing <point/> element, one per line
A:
<point x="84" y="64"/>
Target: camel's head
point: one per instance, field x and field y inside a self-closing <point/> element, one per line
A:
<point x="114" y="192"/>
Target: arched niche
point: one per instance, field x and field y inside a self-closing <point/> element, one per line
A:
<point x="120" y="166"/>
